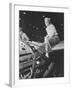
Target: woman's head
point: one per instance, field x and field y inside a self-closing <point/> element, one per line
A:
<point x="47" y="21"/>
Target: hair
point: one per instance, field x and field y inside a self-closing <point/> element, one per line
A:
<point x="48" y="19"/>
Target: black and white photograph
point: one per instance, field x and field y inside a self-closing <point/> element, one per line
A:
<point x="41" y="44"/>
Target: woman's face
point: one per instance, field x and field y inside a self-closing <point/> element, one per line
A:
<point x="47" y="21"/>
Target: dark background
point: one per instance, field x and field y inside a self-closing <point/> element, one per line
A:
<point x="32" y="23"/>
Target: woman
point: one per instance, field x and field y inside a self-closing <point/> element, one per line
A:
<point x="52" y="36"/>
<point x="23" y="37"/>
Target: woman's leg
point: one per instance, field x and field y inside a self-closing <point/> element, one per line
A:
<point x="47" y="46"/>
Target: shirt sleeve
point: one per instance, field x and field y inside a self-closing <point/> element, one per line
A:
<point x="25" y="37"/>
<point x="53" y="31"/>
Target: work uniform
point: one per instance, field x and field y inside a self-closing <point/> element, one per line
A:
<point x="51" y="38"/>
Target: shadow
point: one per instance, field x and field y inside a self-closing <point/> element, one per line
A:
<point x="7" y="84"/>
